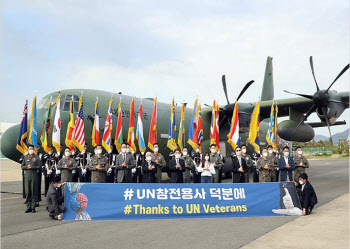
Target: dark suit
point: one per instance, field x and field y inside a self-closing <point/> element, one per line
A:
<point x="284" y="171"/>
<point x="177" y="174"/>
<point x="149" y="176"/>
<point x="238" y="176"/>
<point x="124" y="173"/>
<point x="308" y="198"/>
<point x="54" y="201"/>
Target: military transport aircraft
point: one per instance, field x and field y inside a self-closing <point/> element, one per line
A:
<point x="328" y="104"/>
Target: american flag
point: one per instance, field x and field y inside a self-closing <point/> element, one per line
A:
<point x="78" y="132"/>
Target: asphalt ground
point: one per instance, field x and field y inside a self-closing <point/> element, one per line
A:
<point x="330" y="178"/>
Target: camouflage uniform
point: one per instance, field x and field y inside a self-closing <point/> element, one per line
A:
<point x="264" y="174"/>
<point x="98" y="176"/>
<point x="31" y="179"/>
<point x="161" y="164"/>
<point x="216" y="158"/>
<point x="274" y="165"/>
<point x="249" y="162"/>
<point x="66" y="174"/>
<point x="299" y="169"/>
<point x="190" y="165"/>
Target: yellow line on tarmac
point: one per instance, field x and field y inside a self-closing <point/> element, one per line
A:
<point x="10" y="198"/>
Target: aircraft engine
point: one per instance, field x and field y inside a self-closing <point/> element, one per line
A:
<point x="304" y="133"/>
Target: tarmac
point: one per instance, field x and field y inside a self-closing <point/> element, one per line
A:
<point x="327" y="227"/>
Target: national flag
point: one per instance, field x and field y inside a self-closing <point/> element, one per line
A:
<point x="96" y="128"/>
<point x="270" y="135"/>
<point x="33" y="127"/>
<point x="200" y="128"/>
<point x="193" y="130"/>
<point x="22" y="144"/>
<point x="253" y="137"/>
<point x="70" y="127"/>
<point x="181" y="138"/>
<point x="139" y="130"/>
<point x="118" y="139"/>
<point x="78" y="138"/>
<point x="131" y="131"/>
<point x="47" y="129"/>
<point x="171" y="144"/>
<point x="213" y="124"/>
<point x="107" y="133"/>
<point x="276" y="134"/>
<point x="217" y="138"/>
<point x="56" y="133"/>
<point x="233" y="136"/>
<point x="152" y="137"/>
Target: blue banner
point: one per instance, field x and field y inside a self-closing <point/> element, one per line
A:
<point x="103" y="201"/>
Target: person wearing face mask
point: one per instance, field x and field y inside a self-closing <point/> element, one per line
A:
<point x="239" y="167"/>
<point x="48" y="160"/>
<point x="54" y="200"/>
<point x="206" y="168"/>
<point x="30" y="164"/>
<point x="58" y="156"/>
<point x="249" y="162"/>
<point x="124" y="164"/>
<point x="177" y="167"/>
<point x="98" y="166"/>
<point x="189" y="165"/>
<point x="159" y="160"/>
<point x="149" y="169"/>
<point x="66" y="165"/>
<point x="82" y="159"/>
<point x="255" y="157"/>
<point x="111" y="158"/>
<point x="197" y="158"/>
<point x="308" y="198"/>
<point x="300" y="163"/>
<point x="21" y="160"/>
<point x="216" y="160"/>
<point x="286" y="165"/>
<point x="137" y="174"/>
<point x="274" y="164"/>
<point x="264" y="167"/>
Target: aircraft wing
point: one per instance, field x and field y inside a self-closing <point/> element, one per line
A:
<point x="320" y="124"/>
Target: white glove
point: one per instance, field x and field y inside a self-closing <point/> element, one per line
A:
<point x="109" y="170"/>
<point x="58" y="172"/>
<point x="73" y="171"/>
<point x="288" y="203"/>
<point x="133" y="170"/>
<point x="49" y="172"/>
<point x="58" y="153"/>
<point x="83" y="171"/>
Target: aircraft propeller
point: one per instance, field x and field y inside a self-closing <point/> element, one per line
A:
<point x="320" y="98"/>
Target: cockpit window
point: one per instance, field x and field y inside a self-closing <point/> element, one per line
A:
<point x="67" y="102"/>
<point x="42" y="103"/>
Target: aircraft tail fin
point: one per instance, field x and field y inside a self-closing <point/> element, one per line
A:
<point x="267" y="90"/>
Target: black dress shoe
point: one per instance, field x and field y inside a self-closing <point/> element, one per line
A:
<point x="33" y="210"/>
<point x="28" y="210"/>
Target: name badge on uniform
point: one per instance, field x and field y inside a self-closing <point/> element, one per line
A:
<point x="33" y="159"/>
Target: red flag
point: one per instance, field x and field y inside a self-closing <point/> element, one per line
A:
<point x="152" y="137"/>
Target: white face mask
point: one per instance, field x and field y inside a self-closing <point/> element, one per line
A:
<point x="270" y="151"/>
<point x="213" y="151"/>
<point x="31" y="152"/>
<point x="184" y="153"/>
<point x="156" y="149"/>
<point x="99" y="151"/>
<point x="127" y="150"/>
<point x="123" y="150"/>
<point x="206" y="158"/>
<point x="149" y="158"/>
<point x="265" y="154"/>
<point x="300" y="152"/>
<point x="67" y="154"/>
<point x="244" y="150"/>
<point x="238" y="153"/>
<point x="177" y="156"/>
<point x="286" y="154"/>
<point x="301" y="182"/>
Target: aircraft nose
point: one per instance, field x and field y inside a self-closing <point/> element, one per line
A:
<point x="8" y="143"/>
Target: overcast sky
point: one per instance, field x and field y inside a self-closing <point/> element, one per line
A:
<point x="168" y="48"/>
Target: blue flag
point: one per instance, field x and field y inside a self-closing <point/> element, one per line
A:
<point x="23" y="134"/>
<point x="33" y="127"/>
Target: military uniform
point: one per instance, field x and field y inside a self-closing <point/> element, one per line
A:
<point x="98" y="176"/>
<point x="274" y="167"/>
<point x="216" y="158"/>
<point x="299" y="169"/>
<point x="31" y="179"/>
<point x="249" y="162"/>
<point x="160" y="165"/>
<point x="49" y="170"/>
<point x="189" y="164"/>
<point x="84" y="174"/>
<point x="66" y="174"/>
<point x="264" y="174"/>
